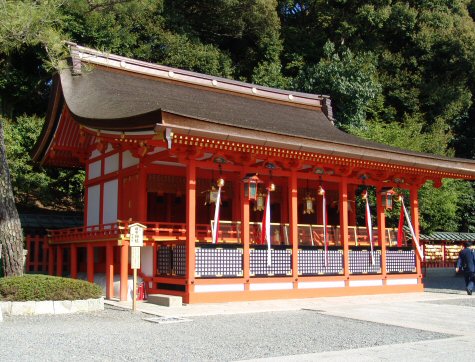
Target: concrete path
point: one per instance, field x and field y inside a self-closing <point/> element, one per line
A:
<point x="445" y="310"/>
<point x="453" y="349"/>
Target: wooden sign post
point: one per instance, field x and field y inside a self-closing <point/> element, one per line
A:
<point x="136" y="242"/>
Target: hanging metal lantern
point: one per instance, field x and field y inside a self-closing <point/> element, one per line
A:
<point x="308" y="204"/>
<point x="250" y="186"/>
<point x="211" y="196"/>
<point x="261" y="198"/>
<point x="212" y="193"/>
<point x="260" y="201"/>
<point x="387" y="197"/>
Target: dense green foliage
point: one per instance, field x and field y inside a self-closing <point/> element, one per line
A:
<point x="32" y="184"/>
<point x="45" y="287"/>
<point x="398" y="72"/>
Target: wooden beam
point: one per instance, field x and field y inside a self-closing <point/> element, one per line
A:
<point x="74" y="261"/>
<point x="59" y="261"/>
<point x="381" y="216"/>
<point x="293" y="225"/>
<point x="90" y="263"/>
<point x="124" y="270"/>
<point x="245" y="214"/>
<point x="190" y="225"/>
<point x="415" y="223"/>
<point x="109" y="271"/>
<point x="343" y="200"/>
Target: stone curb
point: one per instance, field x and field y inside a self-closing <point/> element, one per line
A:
<point x="51" y="307"/>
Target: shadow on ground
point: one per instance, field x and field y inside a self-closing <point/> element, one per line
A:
<point x="443" y="280"/>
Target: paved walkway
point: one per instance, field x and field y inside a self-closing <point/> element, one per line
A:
<point x="443" y="309"/>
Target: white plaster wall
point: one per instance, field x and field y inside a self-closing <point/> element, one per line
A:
<point x="95" y="153"/>
<point x="109" y="209"/>
<point x="93" y="200"/>
<point x="111" y="164"/>
<point x="94" y="169"/>
<point x="128" y="160"/>
<point x="146" y="260"/>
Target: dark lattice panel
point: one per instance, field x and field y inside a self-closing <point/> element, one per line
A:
<point x="401" y="260"/>
<point x="312" y="262"/>
<point x="164" y="260"/>
<point x="361" y="263"/>
<point x="219" y="262"/>
<point x="179" y="260"/>
<point x="281" y="261"/>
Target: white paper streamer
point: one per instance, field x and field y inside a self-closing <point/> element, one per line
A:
<point x="216" y="217"/>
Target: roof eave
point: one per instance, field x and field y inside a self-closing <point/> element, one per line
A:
<point x="203" y="128"/>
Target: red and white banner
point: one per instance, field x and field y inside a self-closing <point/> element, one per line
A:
<point x="265" y="232"/>
<point x="369" y="224"/>
<point x="413" y="234"/>
<point x="400" y="228"/>
<point x="215" y="229"/>
<point x="324" y="214"/>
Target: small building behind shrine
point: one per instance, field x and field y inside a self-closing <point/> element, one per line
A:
<point x="441" y="249"/>
<point x="246" y="192"/>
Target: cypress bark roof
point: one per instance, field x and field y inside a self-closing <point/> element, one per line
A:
<point x="120" y="94"/>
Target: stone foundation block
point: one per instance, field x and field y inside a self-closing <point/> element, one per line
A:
<point x="23" y="308"/>
<point x="165" y="300"/>
<point x="6" y="307"/>
<point x="95" y="304"/>
<point x="80" y="306"/>
<point x="44" y="307"/>
<point x="62" y="306"/>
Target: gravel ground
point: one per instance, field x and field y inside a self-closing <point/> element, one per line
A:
<point x="120" y="335"/>
<point x="115" y="334"/>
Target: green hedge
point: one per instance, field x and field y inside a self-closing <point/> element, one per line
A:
<point x="45" y="287"/>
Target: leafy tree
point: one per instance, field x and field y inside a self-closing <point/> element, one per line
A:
<point x="423" y="53"/>
<point x="446" y="208"/>
<point x="248" y="30"/>
<point x="24" y="23"/>
<point x="351" y="81"/>
<point x="138" y="29"/>
<point x="33" y="185"/>
<point x="20" y="137"/>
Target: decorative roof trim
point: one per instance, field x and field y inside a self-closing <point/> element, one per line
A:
<point x="91" y="56"/>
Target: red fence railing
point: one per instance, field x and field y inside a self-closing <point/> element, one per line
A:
<point x="37" y="256"/>
<point x="229" y="232"/>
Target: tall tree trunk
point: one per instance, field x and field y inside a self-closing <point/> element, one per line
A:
<point x="11" y="236"/>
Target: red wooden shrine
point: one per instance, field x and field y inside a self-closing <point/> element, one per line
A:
<point x="154" y="141"/>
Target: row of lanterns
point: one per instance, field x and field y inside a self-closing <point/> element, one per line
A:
<point x="252" y="193"/>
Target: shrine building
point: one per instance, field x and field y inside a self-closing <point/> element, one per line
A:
<point x="246" y="192"/>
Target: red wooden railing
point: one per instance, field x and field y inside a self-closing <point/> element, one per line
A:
<point x="37" y="258"/>
<point x="229" y="232"/>
<point x="87" y="233"/>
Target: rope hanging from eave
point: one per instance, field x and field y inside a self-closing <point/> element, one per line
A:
<point x="265" y="232"/>
<point x="369" y="224"/>
<point x="413" y="234"/>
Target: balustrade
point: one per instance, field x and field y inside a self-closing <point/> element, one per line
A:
<point x="316" y="256"/>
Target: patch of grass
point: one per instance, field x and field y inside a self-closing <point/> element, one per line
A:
<point x="45" y="287"/>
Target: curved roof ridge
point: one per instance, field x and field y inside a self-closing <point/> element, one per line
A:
<point x="81" y="54"/>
